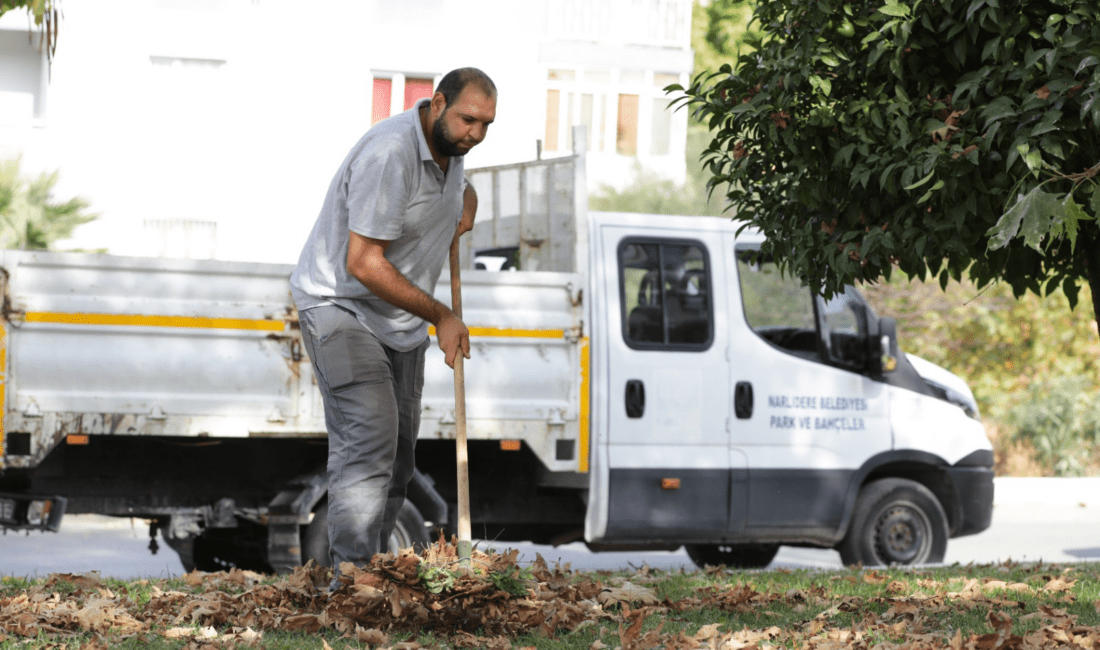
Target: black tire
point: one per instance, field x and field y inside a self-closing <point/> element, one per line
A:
<point x="184" y="547"/>
<point x="410" y="531"/>
<point x="739" y="556"/>
<point x="222" y="549"/>
<point x="896" y="522"/>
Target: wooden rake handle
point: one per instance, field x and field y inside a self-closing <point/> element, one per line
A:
<point x="465" y="537"/>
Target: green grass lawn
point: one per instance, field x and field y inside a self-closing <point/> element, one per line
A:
<point x="430" y="601"/>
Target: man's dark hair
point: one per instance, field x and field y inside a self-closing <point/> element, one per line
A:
<point x="452" y="83"/>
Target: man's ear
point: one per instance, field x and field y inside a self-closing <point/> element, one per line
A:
<point x="439" y="103"/>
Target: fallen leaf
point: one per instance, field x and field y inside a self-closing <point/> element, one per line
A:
<point x="628" y="593"/>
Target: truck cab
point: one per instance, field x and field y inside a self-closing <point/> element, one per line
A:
<point x="735" y="411"/>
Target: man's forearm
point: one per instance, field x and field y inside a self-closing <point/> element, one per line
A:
<point x="386" y="282"/>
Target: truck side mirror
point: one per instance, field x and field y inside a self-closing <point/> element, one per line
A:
<point x="887" y="356"/>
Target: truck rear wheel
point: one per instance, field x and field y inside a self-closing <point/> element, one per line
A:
<point x="221" y="549"/>
<point x="410" y="531"/>
<point x="740" y="556"/>
<point x="896" y="522"/>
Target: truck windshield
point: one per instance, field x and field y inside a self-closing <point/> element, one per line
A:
<point x="787" y="315"/>
<point x="777" y="307"/>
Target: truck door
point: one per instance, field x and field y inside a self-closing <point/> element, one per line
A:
<point x="662" y="459"/>
<point x="808" y="416"/>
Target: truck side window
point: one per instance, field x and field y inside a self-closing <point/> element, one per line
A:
<point x="841" y="327"/>
<point x="777" y="307"/>
<point x="665" y="289"/>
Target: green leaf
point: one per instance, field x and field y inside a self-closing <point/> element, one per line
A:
<point x="435" y="579"/>
<point x="895" y="10"/>
<point x="928" y="194"/>
<point x="843" y="158"/>
<point x="1031" y="216"/>
<point x="1034" y="160"/>
<point x="922" y="181"/>
<point x="999" y="108"/>
<point x="974" y="6"/>
<point x="1086" y="62"/>
<point x="821" y="84"/>
<point x="1032" y="57"/>
<point x="1074" y="215"/>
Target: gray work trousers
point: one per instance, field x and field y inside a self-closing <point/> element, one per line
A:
<point x="371" y="395"/>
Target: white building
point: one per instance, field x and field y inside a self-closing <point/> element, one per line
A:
<point x="211" y="128"/>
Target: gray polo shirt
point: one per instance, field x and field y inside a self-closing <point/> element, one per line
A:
<point x="389" y="188"/>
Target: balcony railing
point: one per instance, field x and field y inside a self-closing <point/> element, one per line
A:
<point x="663" y="23"/>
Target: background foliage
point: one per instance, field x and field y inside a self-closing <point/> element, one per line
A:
<point x="29" y="216"/>
<point x="1033" y="364"/>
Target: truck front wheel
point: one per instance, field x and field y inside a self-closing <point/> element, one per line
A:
<point x="896" y="522"/>
<point x="410" y="531"/>
<point x="740" y="556"/>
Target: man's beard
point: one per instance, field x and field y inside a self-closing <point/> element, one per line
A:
<point x="444" y="144"/>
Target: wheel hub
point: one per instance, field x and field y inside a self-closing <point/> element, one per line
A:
<point x="901" y="536"/>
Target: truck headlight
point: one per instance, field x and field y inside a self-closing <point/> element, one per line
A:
<point x="968" y="405"/>
<point x="952" y="396"/>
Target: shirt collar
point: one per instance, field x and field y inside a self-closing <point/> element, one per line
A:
<point x="425" y="152"/>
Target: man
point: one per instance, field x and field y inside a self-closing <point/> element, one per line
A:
<point x="364" y="286"/>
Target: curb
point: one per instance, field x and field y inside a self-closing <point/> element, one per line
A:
<point x="1011" y="490"/>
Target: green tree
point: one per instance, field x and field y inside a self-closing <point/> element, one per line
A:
<point x="29" y="217"/>
<point x="942" y="137"/>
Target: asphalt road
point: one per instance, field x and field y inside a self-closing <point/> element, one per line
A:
<point x="1022" y="532"/>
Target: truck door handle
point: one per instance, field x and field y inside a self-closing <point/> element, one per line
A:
<point x="635" y="398"/>
<point x="742" y="400"/>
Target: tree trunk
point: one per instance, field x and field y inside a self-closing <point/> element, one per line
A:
<point x="1091" y="245"/>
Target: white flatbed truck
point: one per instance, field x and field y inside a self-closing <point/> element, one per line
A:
<point x="642" y="382"/>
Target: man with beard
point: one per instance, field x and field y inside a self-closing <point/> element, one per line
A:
<point x="363" y="287"/>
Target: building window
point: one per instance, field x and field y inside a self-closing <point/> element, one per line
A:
<point x="586" y="118"/>
<point x="661" y="118"/>
<point x="553" y="105"/>
<point x="415" y="90"/>
<point x="661" y="126"/>
<point x="380" y="100"/>
<point x="626" y="132"/>
<point x="395" y="92"/>
<point x="623" y="112"/>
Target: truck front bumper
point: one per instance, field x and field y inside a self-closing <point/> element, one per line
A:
<point x="974" y="491"/>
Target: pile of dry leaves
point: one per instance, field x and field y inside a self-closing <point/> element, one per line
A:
<point x="406" y="593"/>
